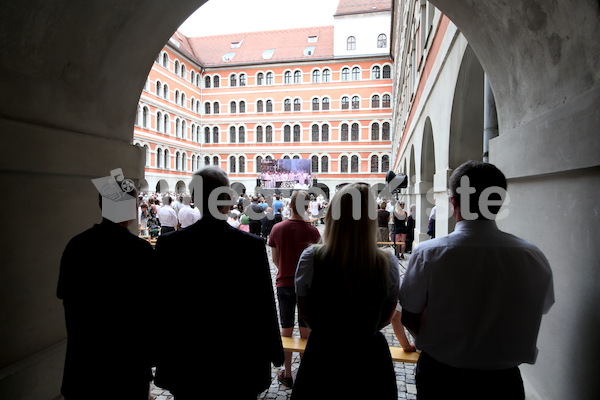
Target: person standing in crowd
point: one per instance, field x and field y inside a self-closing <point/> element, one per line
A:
<point x="255" y="212"/>
<point x="201" y="296"/>
<point x="431" y="224"/>
<point x="167" y="216"/>
<point x="288" y="240"/>
<point x="266" y="224"/>
<point x="277" y="205"/>
<point x="348" y="284"/>
<point x="474" y="299"/>
<point x="383" y="217"/>
<point x="399" y="218"/>
<point x="152" y="221"/>
<point x="187" y="215"/>
<point x="410" y="228"/>
<point x="105" y="282"/>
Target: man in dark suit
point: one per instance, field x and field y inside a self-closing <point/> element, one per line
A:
<point x="106" y="284"/>
<point x="216" y="306"/>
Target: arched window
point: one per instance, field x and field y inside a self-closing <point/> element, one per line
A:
<point x="145" y="117"/>
<point x="159" y="158"/>
<point x="158" y="88"/>
<point x="176" y="67"/>
<point x="325" y="133"/>
<point x="354" y="164"/>
<point x="216" y="134"/>
<point x="259" y="106"/>
<point x="232" y="107"/>
<point x="159" y="122"/>
<point x="376" y="72"/>
<point x="314" y="164"/>
<point x="269" y="106"/>
<point x="216" y="81"/>
<point x="206" y="160"/>
<point x="287" y="133"/>
<point x="242" y="135"/>
<point x="269" y="134"/>
<point x="207" y="108"/>
<point x="232" y="164"/>
<point x="167" y="160"/>
<point x="242" y="82"/>
<point x="297" y="77"/>
<point x="166" y="92"/>
<point x="287" y="105"/>
<point x="356" y="73"/>
<point x="259" y="134"/>
<point x="315" y="133"/>
<point x="316" y="76"/>
<point x="385" y="163"/>
<point x="233" y="80"/>
<point x="315" y="104"/>
<point x="297" y="133"/>
<point x="374" y="163"/>
<point x="259" y="78"/>
<point x="297" y="104"/>
<point x="375" y="131"/>
<point x="345" y="103"/>
<point x="207" y="135"/>
<point x="232" y="134"/>
<point x="351" y="43"/>
<point x="326" y="75"/>
<point x="345" y="74"/>
<point x="355" y="102"/>
<point x="165" y="60"/>
<point x="242" y="107"/>
<point x="242" y="164"/>
<point x="258" y="164"/>
<point x="269" y="78"/>
<point x="177" y="161"/>
<point x="287" y="77"/>
<point x="325" y="103"/>
<point x="324" y="164"/>
<point x="387" y="72"/>
<point x="344" y="164"/>
<point x="375" y="101"/>
<point x="386" y="101"/>
<point x="344" y="133"/>
<point x="385" y="131"/>
<point x="354" y="132"/>
<point x="382" y="41"/>
<point x="166" y="124"/>
<point x="216" y="108"/>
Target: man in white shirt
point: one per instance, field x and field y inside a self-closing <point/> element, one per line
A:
<point x="167" y="216"/>
<point x="187" y="215"/>
<point x="474" y="299"/>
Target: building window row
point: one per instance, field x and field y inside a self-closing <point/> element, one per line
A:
<point x="179" y="68"/>
<point x="381" y="42"/>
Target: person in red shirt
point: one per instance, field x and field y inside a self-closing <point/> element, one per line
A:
<point x="288" y="240"/>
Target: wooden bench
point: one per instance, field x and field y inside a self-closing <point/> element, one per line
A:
<point x="390" y="243"/>
<point x="298" y="345"/>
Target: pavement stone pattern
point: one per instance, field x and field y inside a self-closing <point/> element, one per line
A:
<point x="405" y="372"/>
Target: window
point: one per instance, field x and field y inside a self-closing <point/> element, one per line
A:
<point x="354" y="164"/>
<point x="216" y="81"/>
<point x="159" y="122"/>
<point x="207" y="135"/>
<point x="287" y="77"/>
<point x="325" y="103"/>
<point x="313" y="39"/>
<point x="232" y="107"/>
<point x="287" y="133"/>
<point x="375" y="101"/>
<point x="166" y="124"/>
<point x="166" y="92"/>
<point x="351" y="43"/>
<point x="232" y="164"/>
<point x="385" y="131"/>
<point x="297" y="133"/>
<point x="215" y="160"/>
<point x="235" y="45"/>
<point x="314" y="164"/>
<point x="207" y="160"/>
<point x="376" y="72"/>
<point x="354" y="132"/>
<point x="242" y="164"/>
<point x="268" y="54"/>
<point x="176" y="67"/>
<point x="242" y="81"/>
<point x="385" y="163"/>
<point x="259" y="134"/>
<point x="165" y="60"/>
<point x="316" y="76"/>
<point x="269" y="105"/>
<point x="345" y="103"/>
<point x="269" y="78"/>
<point x="287" y="105"/>
<point x="259" y="78"/>
<point x="167" y="160"/>
<point x="386" y="101"/>
<point x="374" y="163"/>
<point x="216" y="134"/>
<point x="297" y="104"/>
<point x="344" y="133"/>
<point x="242" y="107"/>
<point x="232" y="134"/>
<point x="145" y="115"/>
<point x="355" y="102"/>
<point x="387" y="72"/>
<point x="207" y="108"/>
<point x="344" y="164"/>
<point x="315" y="104"/>
<point x="345" y="74"/>
<point x="259" y="106"/>
<point x="356" y="73"/>
<point x="228" y="56"/>
<point x="242" y="135"/>
<point x="315" y="133"/>
<point x="216" y="108"/>
<point x="297" y="77"/>
<point x="269" y="134"/>
<point x="233" y="80"/>
<point x="159" y="158"/>
<point x="381" y="41"/>
<point x="207" y="82"/>
<point x="258" y="164"/>
<point x="375" y="131"/>
<point x="324" y="164"/>
<point x="325" y="133"/>
<point x="309" y="50"/>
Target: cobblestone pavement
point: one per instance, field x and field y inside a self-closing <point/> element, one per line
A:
<point x="405" y="372"/>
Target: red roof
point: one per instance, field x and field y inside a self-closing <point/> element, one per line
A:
<point x="346" y="7"/>
<point x="255" y="47"/>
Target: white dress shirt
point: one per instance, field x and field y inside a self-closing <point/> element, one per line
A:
<point x="167" y="216"/>
<point x="188" y="216"/>
<point x="483" y="293"/>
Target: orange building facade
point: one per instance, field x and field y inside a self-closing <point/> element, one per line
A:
<point x="318" y="93"/>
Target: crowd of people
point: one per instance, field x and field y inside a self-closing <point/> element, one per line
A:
<point x="472" y="300"/>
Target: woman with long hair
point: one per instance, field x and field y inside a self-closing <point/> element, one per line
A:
<point x="400" y="230"/>
<point x="347" y="291"/>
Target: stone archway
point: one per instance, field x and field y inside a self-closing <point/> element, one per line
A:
<point x="162" y="186"/>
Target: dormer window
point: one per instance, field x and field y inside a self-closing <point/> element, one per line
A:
<point x="228" y="56"/>
<point x="235" y="45"/>
<point x="313" y="39"/>
<point x="309" y="51"/>
<point x="268" y="54"/>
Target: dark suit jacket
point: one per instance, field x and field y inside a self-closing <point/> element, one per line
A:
<point x="217" y="319"/>
<point x="106" y="284"/>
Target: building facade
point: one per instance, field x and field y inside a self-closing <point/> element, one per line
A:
<point x="322" y="94"/>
